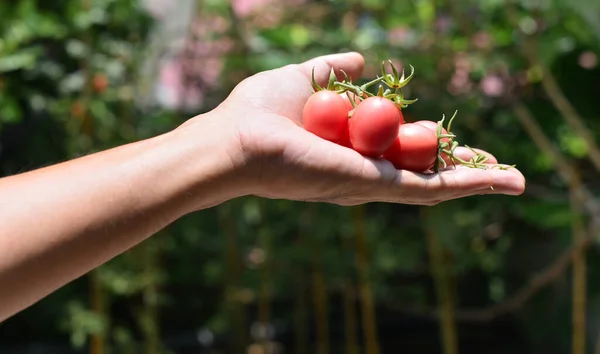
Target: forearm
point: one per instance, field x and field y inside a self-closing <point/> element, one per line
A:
<point x="59" y="222"/>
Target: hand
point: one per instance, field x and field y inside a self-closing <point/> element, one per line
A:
<point x="281" y="160"/>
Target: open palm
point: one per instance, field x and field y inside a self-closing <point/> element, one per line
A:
<point x="284" y="161"/>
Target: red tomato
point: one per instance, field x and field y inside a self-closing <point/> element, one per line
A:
<point x="374" y="126"/>
<point x="78" y="110"/>
<point x="325" y="114"/>
<point x="100" y="82"/>
<point x="415" y="148"/>
<point x="433" y="127"/>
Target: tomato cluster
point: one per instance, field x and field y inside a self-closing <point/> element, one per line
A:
<point x="373" y="124"/>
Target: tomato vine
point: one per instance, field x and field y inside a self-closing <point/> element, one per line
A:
<point x="374" y="135"/>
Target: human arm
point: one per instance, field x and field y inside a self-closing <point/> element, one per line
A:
<point x="61" y="221"/>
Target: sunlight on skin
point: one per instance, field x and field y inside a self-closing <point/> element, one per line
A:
<point x="276" y="96"/>
<point x="91" y="209"/>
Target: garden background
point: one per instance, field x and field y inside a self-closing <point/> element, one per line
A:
<point x="485" y="274"/>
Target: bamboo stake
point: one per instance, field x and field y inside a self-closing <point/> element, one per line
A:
<point x="300" y="318"/>
<point x="301" y="322"/>
<point x="264" y="305"/>
<point x="350" y="315"/>
<point x="98" y="307"/>
<point x="148" y="252"/>
<point x="365" y="291"/>
<point x="235" y="308"/>
<point x="320" y="305"/>
<point x="443" y="288"/>
<point x="350" y="320"/>
<point x="319" y="290"/>
<point x="579" y="271"/>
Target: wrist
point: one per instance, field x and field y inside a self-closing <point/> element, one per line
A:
<point x="205" y="158"/>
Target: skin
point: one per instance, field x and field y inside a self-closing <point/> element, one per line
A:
<point x="61" y="221"/>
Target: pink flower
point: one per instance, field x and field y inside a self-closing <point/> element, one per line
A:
<point x="171" y="90"/>
<point x="245" y="8"/>
<point x="397" y="36"/>
<point x="482" y="40"/>
<point x="588" y="60"/>
<point x="443" y="23"/>
<point x="492" y="86"/>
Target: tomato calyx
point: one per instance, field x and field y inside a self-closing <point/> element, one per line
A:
<point x="394" y="82"/>
<point x="331" y="83"/>
<point x="447" y="145"/>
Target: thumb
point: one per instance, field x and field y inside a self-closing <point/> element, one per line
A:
<point x="352" y="63"/>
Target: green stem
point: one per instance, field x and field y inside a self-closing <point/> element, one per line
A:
<point x="366" y="86"/>
<point x="355" y="89"/>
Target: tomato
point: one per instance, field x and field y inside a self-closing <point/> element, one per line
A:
<point x="78" y="110"/>
<point x="433" y="127"/>
<point x="345" y="139"/>
<point x="415" y="148"/>
<point x="374" y="126"/>
<point x="325" y="114"/>
<point x="100" y="82"/>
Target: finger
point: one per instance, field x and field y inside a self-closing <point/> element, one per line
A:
<point x="509" y="182"/>
<point x="452" y="184"/>
<point x="352" y="63"/>
<point x="469" y="181"/>
<point x="466" y="154"/>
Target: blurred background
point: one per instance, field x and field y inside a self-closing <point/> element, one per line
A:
<point x="486" y="274"/>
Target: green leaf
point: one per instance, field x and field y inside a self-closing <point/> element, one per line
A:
<point x="546" y="214"/>
<point x="24" y="59"/>
<point x="573" y="143"/>
<point x="10" y="112"/>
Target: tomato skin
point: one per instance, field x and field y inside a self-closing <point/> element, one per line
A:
<point x="325" y="114"/>
<point x="374" y="126"/>
<point x="345" y="141"/>
<point x="431" y="125"/>
<point x="415" y="148"/>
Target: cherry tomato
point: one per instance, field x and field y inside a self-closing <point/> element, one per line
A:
<point x="325" y="114"/>
<point x="433" y="127"/>
<point x="415" y="148"/>
<point x="374" y="126"/>
<point x="100" y="82"/>
<point x="78" y="110"/>
<point x="345" y="141"/>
